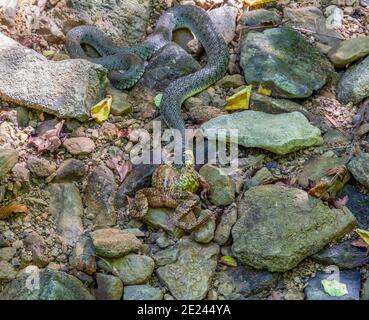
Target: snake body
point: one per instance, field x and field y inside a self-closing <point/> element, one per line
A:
<point x="127" y="65"/>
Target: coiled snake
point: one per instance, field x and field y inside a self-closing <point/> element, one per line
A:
<point x="127" y="65"/>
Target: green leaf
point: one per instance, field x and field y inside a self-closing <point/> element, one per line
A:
<point x="334" y="288"/>
<point x="228" y="261"/>
<point x="157" y="100"/>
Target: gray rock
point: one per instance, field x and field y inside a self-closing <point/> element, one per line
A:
<point x="67" y="210"/>
<point x="46" y="284"/>
<point x="279" y="226"/>
<point x="280" y="133"/>
<point x="7" y="253"/>
<point x="167" y="65"/>
<point x="108" y="287"/>
<point x="8" y="11"/>
<point x="36" y="244"/>
<point x="167" y="256"/>
<point x="222" y="187"/>
<point x="365" y="292"/>
<point x="266" y="58"/>
<point x="262" y="176"/>
<point x="344" y="255"/>
<point x="124" y="22"/>
<point x="20" y="172"/>
<point x="231" y="81"/>
<point x="224" y="20"/>
<point x="120" y="105"/>
<point x="315" y="290"/>
<point x="82" y="257"/>
<point x="133" y="268"/>
<point x="79" y="145"/>
<point x="99" y="197"/>
<point x="349" y="51"/>
<point x="66" y="88"/>
<point x="190" y="277"/>
<point x="259" y="102"/>
<point x="359" y="167"/>
<point x="335" y="17"/>
<point x="22" y="116"/>
<point x="227" y="220"/>
<point x="114" y="243"/>
<point x="8" y="159"/>
<point x="205" y="233"/>
<point x="7" y="272"/>
<point x="70" y="170"/>
<point x="142" y="292"/>
<point x="353" y="86"/>
<point x="40" y="167"/>
<point x="260" y="17"/>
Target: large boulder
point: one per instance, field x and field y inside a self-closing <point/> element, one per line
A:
<point x="279" y="226"/>
<point x="266" y="58"/>
<point x="278" y="133"/>
<point x="66" y="88"/>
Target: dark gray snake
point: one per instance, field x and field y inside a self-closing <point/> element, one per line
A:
<point x="127" y="65"/>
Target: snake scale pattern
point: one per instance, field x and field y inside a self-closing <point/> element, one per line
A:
<point x="127" y="65"/>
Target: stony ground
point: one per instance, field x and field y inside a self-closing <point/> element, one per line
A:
<point x="71" y="175"/>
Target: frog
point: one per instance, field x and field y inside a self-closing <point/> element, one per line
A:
<point x="174" y="186"/>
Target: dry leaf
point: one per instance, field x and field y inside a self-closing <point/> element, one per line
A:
<point x="319" y="189"/>
<point x="100" y="112"/>
<point x="47" y="136"/>
<point x="240" y="100"/>
<point x="122" y="167"/>
<point x="8" y="210"/>
<point x="341" y="202"/>
<point x="339" y="170"/>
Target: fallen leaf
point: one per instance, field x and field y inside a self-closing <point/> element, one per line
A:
<point x="48" y="53"/>
<point x="122" y="167"/>
<point x="360" y="243"/>
<point x="100" y="112"/>
<point x="254" y="3"/>
<point x="364" y="235"/>
<point x="8" y="210"/>
<point x="334" y="288"/>
<point x="264" y="91"/>
<point x="341" y="202"/>
<point x="157" y="100"/>
<point x="47" y="136"/>
<point x="228" y="261"/>
<point x="240" y="100"/>
<point x="339" y="170"/>
<point x="319" y="189"/>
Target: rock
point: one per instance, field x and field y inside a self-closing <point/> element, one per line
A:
<point x="67" y="210"/>
<point x="8" y="159"/>
<point x="224" y="20"/>
<point x="167" y="65"/>
<point x="359" y="167"/>
<point x="246" y="281"/>
<point x="3" y="242"/>
<point x="70" y="170"/>
<point x="260" y="17"/>
<point x="161" y="218"/>
<point x="120" y="105"/>
<point x="203" y="114"/>
<point x="227" y="220"/>
<point x="138" y="178"/>
<point x="37" y="245"/>
<point x="125" y="23"/>
<point x="133" y="268"/>
<point x="22" y="116"/>
<point x="142" y="292"/>
<point x="222" y="187"/>
<point x="280" y="133"/>
<point x="66" y="89"/>
<point x="315" y="171"/>
<point x="20" y="172"/>
<point x="231" y="81"/>
<point x="335" y="17"/>
<point x="353" y="86"/>
<point x="99" y="197"/>
<point x="79" y="145"/>
<point x="114" y="243"/>
<point x="265" y="56"/>
<point x="344" y="255"/>
<point x="312" y="19"/>
<point x="82" y="257"/>
<point x="335" y="137"/>
<point x="7" y="272"/>
<point x="8" y="12"/>
<point x="206" y="233"/>
<point x="259" y="102"/>
<point x="349" y="51"/>
<point x="40" y="167"/>
<point x="279" y="226"/>
<point x="167" y="256"/>
<point x="190" y="277"/>
<point x="53" y="285"/>
<point x="164" y="241"/>
<point x="7" y="253"/>
<point x="315" y="290"/>
<point x="108" y="287"/>
<point x="365" y="292"/>
<point x="262" y="176"/>
<point x="358" y="204"/>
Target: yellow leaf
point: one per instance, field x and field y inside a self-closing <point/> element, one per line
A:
<point x="100" y="112"/>
<point x="5" y="212"/>
<point x="364" y="234"/>
<point x="264" y="91"/>
<point x="254" y="3"/>
<point x="240" y="100"/>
